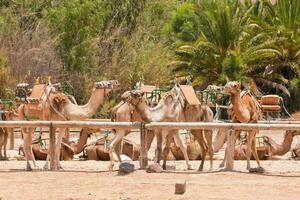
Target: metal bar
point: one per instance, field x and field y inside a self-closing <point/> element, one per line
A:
<point x="70" y="124"/>
<point x="212" y="125"/>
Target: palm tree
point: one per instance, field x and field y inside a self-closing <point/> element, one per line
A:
<point x="222" y="24"/>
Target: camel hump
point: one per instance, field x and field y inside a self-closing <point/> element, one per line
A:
<point x="58" y="99"/>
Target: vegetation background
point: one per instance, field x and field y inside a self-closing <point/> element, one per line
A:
<point x="78" y="42"/>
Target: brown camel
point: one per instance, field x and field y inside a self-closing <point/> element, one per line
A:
<point x="98" y="150"/>
<point x="68" y="150"/>
<point x="57" y="106"/>
<point x="266" y="152"/>
<point x="4" y="133"/>
<point x="168" y="109"/>
<point x="245" y="109"/>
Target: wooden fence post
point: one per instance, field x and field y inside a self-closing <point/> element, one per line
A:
<point x="53" y="163"/>
<point x="143" y="151"/>
<point x="230" y="150"/>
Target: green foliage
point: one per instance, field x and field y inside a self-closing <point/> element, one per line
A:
<point x="4" y="77"/>
<point x="76" y="24"/>
<point x="184" y="23"/>
<point x="212" y="41"/>
<point x="231" y="67"/>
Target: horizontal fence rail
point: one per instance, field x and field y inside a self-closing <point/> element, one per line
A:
<point x="71" y="124"/>
<point x="216" y="125"/>
<point x="96" y="124"/>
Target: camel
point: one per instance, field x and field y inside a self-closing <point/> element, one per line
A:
<point x="68" y="150"/>
<point x="57" y="106"/>
<point x="167" y="109"/>
<point x="175" y="108"/>
<point x="281" y="149"/>
<point x="245" y="109"/>
<point x="4" y="133"/>
<point x="172" y="107"/>
<point x="98" y="151"/>
<point x="124" y="112"/>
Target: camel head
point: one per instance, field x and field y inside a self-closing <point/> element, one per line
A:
<point x="134" y="97"/>
<point x="107" y="84"/>
<point x="232" y="87"/>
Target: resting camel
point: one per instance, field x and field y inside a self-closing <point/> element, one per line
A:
<point x="98" y="151"/>
<point x="281" y="149"/>
<point x="245" y="109"/>
<point x="68" y="150"/>
<point x="57" y="106"/>
<point x="168" y="109"/>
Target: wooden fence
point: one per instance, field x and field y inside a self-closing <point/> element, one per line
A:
<point x="230" y="127"/>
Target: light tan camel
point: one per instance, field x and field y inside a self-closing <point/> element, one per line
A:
<point x="245" y="109"/>
<point x="98" y="151"/>
<point x="285" y="146"/>
<point x="198" y="113"/>
<point x="57" y="106"/>
<point x="168" y="109"/>
<point x="124" y="112"/>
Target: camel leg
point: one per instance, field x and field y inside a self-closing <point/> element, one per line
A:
<point x="183" y="148"/>
<point x="253" y="147"/>
<point x="208" y="136"/>
<point x="150" y="137"/>
<point x="118" y="150"/>
<point x="58" y="146"/>
<point x="166" y="150"/>
<point x="46" y="166"/>
<point x="1" y="142"/>
<point x="5" y="143"/>
<point x="236" y="135"/>
<point x="11" y="138"/>
<point x="118" y="137"/>
<point x="198" y="134"/>
<point x="158" y="149"/>
<point x="27" y="147"/>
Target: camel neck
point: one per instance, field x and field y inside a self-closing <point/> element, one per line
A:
<point x="285" y="146"/>
<point x="150" y="114"/>
<point x="75" y="112"/>
<point x="78" y="147"/>
<point x="240" y="112"/>
<point x="220" y="140"/>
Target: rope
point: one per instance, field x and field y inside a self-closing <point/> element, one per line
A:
<point x="284" y="108"/>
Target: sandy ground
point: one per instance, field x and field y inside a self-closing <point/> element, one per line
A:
<point x="91" y="180"/>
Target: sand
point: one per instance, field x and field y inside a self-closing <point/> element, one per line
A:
<point x="92" y="180"/>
